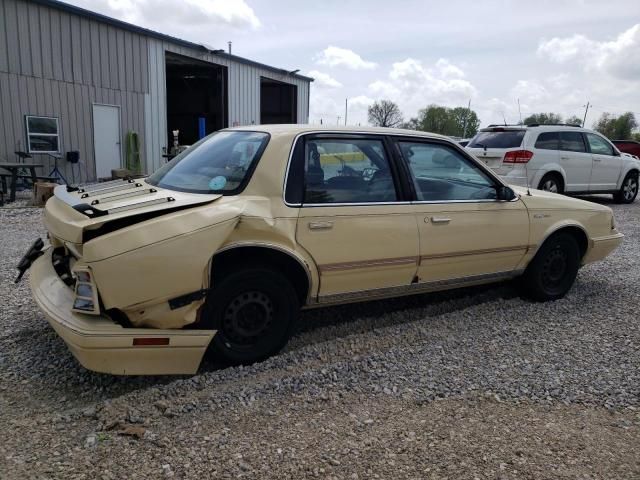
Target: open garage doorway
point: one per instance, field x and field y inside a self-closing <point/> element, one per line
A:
<point x="196" y="98"/>
<point x="278" y="102"/>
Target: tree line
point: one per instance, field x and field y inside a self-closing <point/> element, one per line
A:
<point x="464" y="122"/>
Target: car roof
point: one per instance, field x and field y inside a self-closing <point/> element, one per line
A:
<point x="537" y="127"/>
<point x="296" y="129"/>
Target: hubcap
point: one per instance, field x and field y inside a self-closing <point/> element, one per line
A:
<point x="550" y="186"/>
<point x="554" y="267"/>
<point x="247" y="317"/>
<point x="630" y="188"/>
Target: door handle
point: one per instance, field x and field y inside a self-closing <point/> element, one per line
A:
<point x="320" y="225"/>
<point x="597" y="159"/>
<point x="439" y="219"/>
<point x="564" y="158"/>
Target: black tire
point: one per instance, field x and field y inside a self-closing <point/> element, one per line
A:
<point x="551" y="273"/>
<point x="629" y="189"/>
<point x="551" y="182"/>
<point x="254" y="311"/>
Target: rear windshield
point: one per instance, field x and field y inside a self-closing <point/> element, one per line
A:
<point x="219" y="163"/>
<point x="497" y="139"/>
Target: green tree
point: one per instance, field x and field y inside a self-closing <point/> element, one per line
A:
<point x="616" y="128"/>
<point x="445" y="121"/>
<point x="573" y="120"/>
<point x="543" y="118"/>
<point x="384" y="113"/>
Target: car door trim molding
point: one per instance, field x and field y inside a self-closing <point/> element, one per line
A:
<point x="414" y="288"/>
<point x="485" y="251"/>
<point x="381" y="262"/>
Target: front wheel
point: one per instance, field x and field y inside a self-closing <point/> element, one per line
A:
<point x="629" y="189"/>
<point x="551" y="273"/>
<point x="254" y="311"/>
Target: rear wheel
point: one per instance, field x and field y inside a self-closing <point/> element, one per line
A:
<point x="629" y="189"/>
<point x="254" y="311"/>
<point x="551" y="182"/>
<point x="551" y="273"/>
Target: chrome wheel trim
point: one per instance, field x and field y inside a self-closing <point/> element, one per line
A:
<point x="630" y="188"/>
<point x="550" y="186"/>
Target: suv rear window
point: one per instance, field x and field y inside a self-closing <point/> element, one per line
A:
<point x="497" y="139"/>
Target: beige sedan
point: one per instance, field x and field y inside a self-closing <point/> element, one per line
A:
<point x="220" y="248"/>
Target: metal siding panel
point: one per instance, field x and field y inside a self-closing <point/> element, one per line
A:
<point x="89" y="161"/>
<point x="45" y="42"/>
<point x="11" y="24"/>
<point x="6" y="129"/>
<point x="48" y="100"/>
<point x="128" y="57"/>
<point x="56" y="45"/>
<point x="65" y="41"/>
<point x="94" y="28"/>
<point x="24" y="47"/>
<point x="113" y="58"/>
<point x="17" y="114"/>
<point x="76" y="52"/>
<point x="34" y="39"/>
<point x="135" y="65"/>
<point x="85" y="51"/>
<point x="104" y="55"/>
<point x="4" y="53"/>
<point x="122" y="76"/>
<point x="144" y="63"/>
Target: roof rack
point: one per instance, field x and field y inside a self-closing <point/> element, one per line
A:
<point x="553" y="125"/>
<point x="504" y="125"/>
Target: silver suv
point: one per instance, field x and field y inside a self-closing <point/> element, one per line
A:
<point x="558" y="158"/>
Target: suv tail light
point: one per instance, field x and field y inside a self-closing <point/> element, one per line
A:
<point x="518" y="156"/>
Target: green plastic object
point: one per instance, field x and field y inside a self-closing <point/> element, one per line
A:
<point x="132" y="150"/>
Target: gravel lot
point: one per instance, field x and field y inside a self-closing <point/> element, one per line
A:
<point x="476" y="383"/>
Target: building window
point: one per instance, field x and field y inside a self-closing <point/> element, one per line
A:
<point x="43" y="134"/>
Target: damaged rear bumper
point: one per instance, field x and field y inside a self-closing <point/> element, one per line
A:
<point x="102" y="345"/>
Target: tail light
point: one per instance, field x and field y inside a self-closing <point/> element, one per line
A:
<point x="518" y="156"/>
<point x="86" y="295"/>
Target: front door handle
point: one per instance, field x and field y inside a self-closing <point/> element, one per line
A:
<point x="597" y="159"/>
<point x="564" y="158"/>
<point x="320" y="225"/>
<point x="439" y="219"/>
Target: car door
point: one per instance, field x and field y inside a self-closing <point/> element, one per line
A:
<point x="352" y="219"/>
<point x="607" y="164"/>
<point x="576" y="161"/>
<point x="465" y="232"/>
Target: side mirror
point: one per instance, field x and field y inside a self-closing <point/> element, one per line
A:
<point x="505" y="194"/>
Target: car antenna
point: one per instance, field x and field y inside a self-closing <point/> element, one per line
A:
<point x="526" y="173"/>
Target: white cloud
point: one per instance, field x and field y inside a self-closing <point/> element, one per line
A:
<point x="413" y="85"/>
<point x="160" y="13"/>
<point x="619" y="57"/>
<point x="342" y="57"/>
<point x="529" y="91"/>
<point x="323" y="80"/>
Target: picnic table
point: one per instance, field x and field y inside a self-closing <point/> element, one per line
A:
<point x="14" y="169"/>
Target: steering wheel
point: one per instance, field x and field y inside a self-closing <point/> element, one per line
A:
<point x="368" y="173"/>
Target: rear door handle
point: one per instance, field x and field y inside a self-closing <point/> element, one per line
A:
<point x="439" y="219"/>
<point x="597" y="159"/>
<point x="564" y="158"/>
<point x="320" y="225"/>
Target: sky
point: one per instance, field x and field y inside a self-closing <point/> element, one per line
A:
<point x="551" y="56"/>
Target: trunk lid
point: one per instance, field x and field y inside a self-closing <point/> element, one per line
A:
<point x="72" y="211"/>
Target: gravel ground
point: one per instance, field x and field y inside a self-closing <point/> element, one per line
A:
<point x="475" y="383"/>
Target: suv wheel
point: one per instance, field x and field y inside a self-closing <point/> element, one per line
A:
<point x="254" y="311"/>
<point x="551" y="182"/>
<point x="629" y="189"/>
<point x="553" y="270"/>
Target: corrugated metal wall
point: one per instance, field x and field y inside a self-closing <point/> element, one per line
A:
<point x="53" y="63"/>
<point x="56" y="63"/>
<point x="243" y="86"/>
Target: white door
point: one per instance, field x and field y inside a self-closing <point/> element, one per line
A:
<point x="576" y="161"/>
<point x="606" y="165"/>
<point x="106" y="139"/>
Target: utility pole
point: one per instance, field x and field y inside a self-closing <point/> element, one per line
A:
<point x="519" y="112"/>
<point x="586" y="109"/>
<point x="346" y="110"/>
<point x="466" y="117"/>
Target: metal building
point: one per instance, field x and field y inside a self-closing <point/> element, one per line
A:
<point x="75" y="80"/>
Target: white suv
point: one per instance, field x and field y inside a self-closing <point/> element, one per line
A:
<point x="558" y="158"/>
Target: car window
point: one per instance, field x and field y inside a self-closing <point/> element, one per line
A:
<point x="547" y="141"/>
<point x="347" y="171"/>
<point x="599" y="145"/>
<point x="572" y="142"/>
<point x="441" y="173"/>
<point x="497" y="139"/>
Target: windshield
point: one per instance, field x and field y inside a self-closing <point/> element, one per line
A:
<point x="497" y="139"/>
<point x="219" y="163"/>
